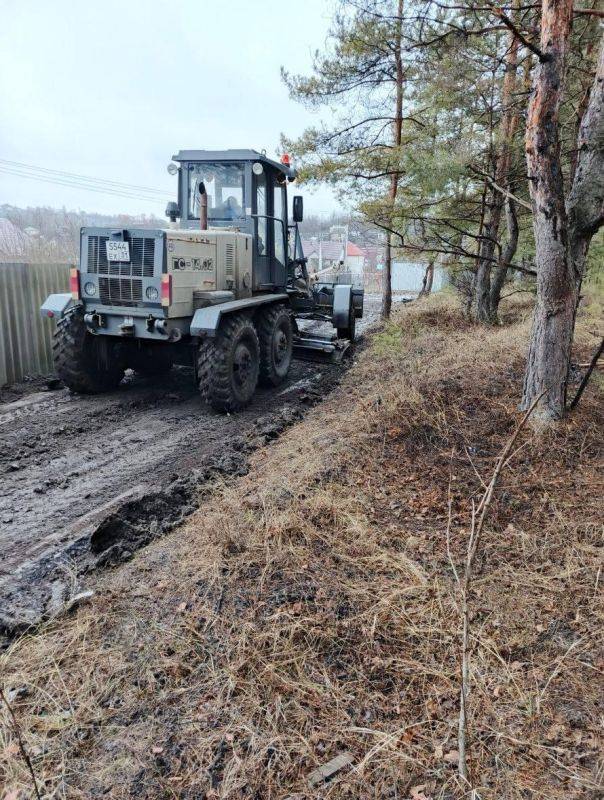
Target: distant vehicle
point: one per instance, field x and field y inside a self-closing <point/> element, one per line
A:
<point x="222" y="291"/>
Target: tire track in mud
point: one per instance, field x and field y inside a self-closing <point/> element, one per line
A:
<point x="86" y="481"/>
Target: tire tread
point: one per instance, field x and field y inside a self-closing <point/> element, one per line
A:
<point x="213" y="375"/>
<point x="74" y="361"/>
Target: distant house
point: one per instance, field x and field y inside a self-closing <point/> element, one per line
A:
<point x="334" y="256"/>
<point x="374" y="258"/>
<point x="14" y="243"/>
<point x="355" y="259"/>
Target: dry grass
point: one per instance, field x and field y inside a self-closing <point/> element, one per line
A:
<point x="310" y="607"/>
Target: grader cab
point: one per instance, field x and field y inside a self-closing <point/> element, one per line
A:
<point x="224" y="288"/>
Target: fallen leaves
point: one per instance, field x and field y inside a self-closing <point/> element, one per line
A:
<point x="420" y="792"/>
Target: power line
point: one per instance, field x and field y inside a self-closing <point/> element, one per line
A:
<point x="78" y="177"/>
<point x="97" y="189"/>
<point x="88" y="188"/>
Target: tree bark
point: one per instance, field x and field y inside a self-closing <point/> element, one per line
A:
<point x="394" y="180"/>
<point x="582" y="108"/>
<point x="585" y="205"/>
<point x="563" y="231"/>
<point x="482" y="308"/>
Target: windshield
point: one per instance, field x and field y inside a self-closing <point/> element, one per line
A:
<point x="224" y="187"/>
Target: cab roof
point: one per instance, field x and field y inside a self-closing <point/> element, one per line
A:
<point x="233" y="155"/>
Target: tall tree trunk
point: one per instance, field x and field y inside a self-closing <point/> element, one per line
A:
<point x="482" y="307"/>
<point x="562" y="231"/>
<point x="507" y="254"/>
<point x="470" y="294"/>
<point x="549" y="351"/>
<point x="394" y="180"/>
<point x="585" y="204"/>
<point x="580" y="113"/>
<point x="427" y="280"/>
<point x="387" y="279"/>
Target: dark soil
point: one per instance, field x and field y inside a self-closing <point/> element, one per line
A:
<point x="88" y="480"/>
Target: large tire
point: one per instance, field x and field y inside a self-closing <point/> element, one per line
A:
<point x="350" y="331"/>
<point x="276" y="337"/>
<point x="151" y="360"/>
<point x="228" y="364"/>
<point x="86" y="363"/>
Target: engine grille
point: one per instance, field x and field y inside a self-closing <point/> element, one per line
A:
<point x="120" y="291"/>
<point x="229" y="259"/>
<point x="142" y="257"/>
<point x="122" y="285"/>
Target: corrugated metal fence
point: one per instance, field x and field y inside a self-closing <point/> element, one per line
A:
<point x="25" y="337"/>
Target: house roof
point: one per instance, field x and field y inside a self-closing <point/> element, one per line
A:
<point x="330" y="250"/>
<point x="353" y="250"/>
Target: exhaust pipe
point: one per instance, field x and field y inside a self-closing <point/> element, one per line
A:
<point x="203" y="206"/>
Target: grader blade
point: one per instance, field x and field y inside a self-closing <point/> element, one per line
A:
<point x="321" y="349"/>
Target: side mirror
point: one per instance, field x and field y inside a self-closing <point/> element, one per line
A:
<point x="172" y="211"/>
<point x="298" y="208"/>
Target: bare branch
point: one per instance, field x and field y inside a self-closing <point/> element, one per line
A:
<point x="499" y="188"/>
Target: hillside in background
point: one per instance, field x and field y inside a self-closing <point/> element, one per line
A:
<point x="50" y="234"/>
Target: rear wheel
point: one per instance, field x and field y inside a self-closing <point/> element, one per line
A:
<point x="86" y="363"/>
<point x="276" y="336"/>
<point x="350" y="331"/>
<point x="228" y="365"/>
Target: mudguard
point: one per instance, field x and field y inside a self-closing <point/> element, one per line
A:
<point x="342" y="294"/>
<point x="205" y="321"/>
<point x="56" y="305"/>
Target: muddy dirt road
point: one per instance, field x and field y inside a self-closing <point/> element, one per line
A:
<point x="87" y="480"/>
<point x="84" y="478"/>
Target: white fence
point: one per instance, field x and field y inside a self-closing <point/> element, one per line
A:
<point x="407" y="277"/>
<point x="25" y="337"/>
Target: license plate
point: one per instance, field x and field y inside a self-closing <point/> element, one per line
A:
<point x="118" y="251"/>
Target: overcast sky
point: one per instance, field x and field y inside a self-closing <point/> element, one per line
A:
<point x="112" y="89"/>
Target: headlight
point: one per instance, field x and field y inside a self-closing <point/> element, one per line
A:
<point x="151" y="293"/>
<point x="90" y="288"/>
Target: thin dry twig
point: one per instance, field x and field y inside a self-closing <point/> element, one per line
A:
<point x="21" y="744"/>
<point x="478" y="513"/>
<point x="586" y="377"/>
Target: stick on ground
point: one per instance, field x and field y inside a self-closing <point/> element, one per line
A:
<point x="24" y="752"/>
<point x="478" y="517"/>
<point x="586" y="377"/>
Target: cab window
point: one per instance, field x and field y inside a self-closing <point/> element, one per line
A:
<point x="261" y="211"/>
<point x="278" y="222"/>
<point x="224" y="187"/>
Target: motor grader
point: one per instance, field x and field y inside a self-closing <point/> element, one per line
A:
<point x="224" y="288"/>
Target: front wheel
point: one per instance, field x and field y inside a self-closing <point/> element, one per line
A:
<point x="276" y="336"/>
<point x="350" y="331"/>
<point x="86" y="363"/>
<point x="228" y="365"/>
